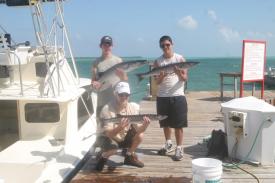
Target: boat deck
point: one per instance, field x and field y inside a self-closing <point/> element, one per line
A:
<point x="14" y="90"/>
<point x="204" y="116"/>
<point x="31" y="91"/>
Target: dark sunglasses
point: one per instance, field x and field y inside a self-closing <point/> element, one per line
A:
<point x="165" y="45"/>
<point x="123" y="95"/>
<point x="106" y="44"/>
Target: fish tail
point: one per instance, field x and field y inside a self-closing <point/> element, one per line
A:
<point x="140" y="77"/>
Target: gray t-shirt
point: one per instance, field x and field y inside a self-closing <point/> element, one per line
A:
<point x="102" y="65"/>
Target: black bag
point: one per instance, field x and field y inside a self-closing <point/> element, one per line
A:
<point x="217" y="146"/>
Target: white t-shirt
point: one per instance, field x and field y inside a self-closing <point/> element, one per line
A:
<point x="171" y="85"/>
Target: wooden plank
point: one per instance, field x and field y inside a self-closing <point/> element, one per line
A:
<point x="204" y="116"/>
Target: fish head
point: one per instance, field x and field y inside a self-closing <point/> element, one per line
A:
<point x="162" y="117"/>
<point x="104" y="86"/>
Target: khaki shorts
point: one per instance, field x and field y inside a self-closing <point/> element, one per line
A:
<point x="107" y="143"/>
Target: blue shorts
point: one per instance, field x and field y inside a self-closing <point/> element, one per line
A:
<point x="176" y="110"/>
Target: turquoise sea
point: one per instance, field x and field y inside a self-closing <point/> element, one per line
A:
<point x="203" y="77"/>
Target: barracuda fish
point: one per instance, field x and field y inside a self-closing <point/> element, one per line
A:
<point x="109" y="78"/>
<point x="134" y="118"/>
<point x="167" y="68"/>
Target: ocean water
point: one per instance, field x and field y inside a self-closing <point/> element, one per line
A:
<point x="202" y="77"/>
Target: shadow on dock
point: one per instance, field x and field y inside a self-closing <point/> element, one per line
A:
<point x="214" y="99"/>
<point x="196" y="151"/>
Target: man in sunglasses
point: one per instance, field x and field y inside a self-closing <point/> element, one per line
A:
<point x="171" y="100"/>
<point x="122" y="134"/>
<point x="101" y="64"/>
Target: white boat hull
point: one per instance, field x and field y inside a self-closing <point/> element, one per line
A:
<point x="48" y="159"/>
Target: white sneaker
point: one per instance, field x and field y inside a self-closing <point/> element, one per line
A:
<point x="178" y="154"/>
<point x="167" y="148"/>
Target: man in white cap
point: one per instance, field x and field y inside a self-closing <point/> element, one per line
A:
<point x="101" y="64"/>
<point x="122" y="134"/>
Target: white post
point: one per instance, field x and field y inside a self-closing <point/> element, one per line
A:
<point x="149" y="91"/>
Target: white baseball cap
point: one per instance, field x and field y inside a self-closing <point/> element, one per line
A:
<point x="122" y="87"/>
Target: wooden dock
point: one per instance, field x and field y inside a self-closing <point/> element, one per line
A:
<point x="204" y="116"/>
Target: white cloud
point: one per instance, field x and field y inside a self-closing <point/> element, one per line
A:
<point x="140" y="40"/>
<point x="226" y="32"/>
<point x="188" y="22"/>
<point x="212" y="15"/>
<point x="229" y="34"/>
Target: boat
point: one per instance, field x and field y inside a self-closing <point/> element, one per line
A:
<point x="47" y="117"/>
<point x="270" y="77"/>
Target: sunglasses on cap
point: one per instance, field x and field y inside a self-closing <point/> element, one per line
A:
<point x="123" y="95"/>
<point x="165" y="45"/>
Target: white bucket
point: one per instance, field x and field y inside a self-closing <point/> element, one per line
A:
<point x="206" y="170"/>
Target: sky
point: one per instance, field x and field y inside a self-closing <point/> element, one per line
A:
<point x="199" y="28"/>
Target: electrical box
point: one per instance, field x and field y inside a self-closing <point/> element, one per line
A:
<point x="237" y="122"/>
<point x="250" y="124"/>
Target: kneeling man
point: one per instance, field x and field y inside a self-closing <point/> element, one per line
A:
<point x="122" y="134"/>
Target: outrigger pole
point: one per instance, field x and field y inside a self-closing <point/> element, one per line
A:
<point x="48" y="41"/>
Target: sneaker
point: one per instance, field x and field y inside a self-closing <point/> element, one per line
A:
<point x="100" y="163"/>
<point x="178" y="154"/>
<point x="124" y="151"/>
<point x="167" y="148"/>
<point x="133" y="161"/>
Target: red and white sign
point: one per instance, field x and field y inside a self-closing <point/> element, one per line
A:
<point x="253" y="62"/>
